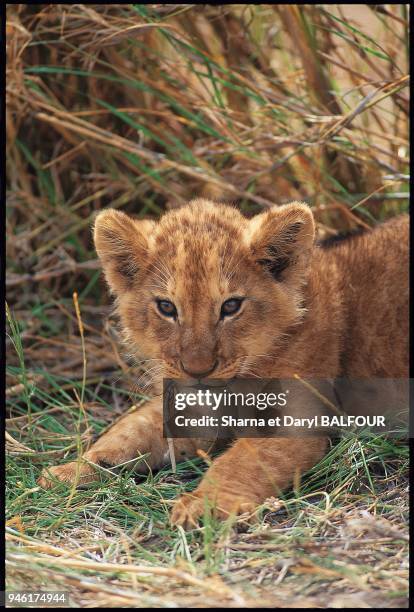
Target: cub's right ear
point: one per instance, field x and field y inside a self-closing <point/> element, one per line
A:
<point x="281" y="240"/>
<point x="121" y="247"/>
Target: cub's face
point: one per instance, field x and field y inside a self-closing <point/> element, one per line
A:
<point x="206" y="291"/>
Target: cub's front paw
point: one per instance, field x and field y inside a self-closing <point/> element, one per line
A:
<point x="70" y="473"/>
<point x="189" y="508"/>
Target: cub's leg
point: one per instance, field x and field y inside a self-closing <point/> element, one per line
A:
<point x="134" y="435"/>
<point x="246" y="474"/>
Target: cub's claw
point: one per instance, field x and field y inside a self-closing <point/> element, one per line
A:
<point x="72" y="472"/>
<point x="189" y="508"/>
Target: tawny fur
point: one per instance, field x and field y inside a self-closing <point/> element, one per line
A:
<point x="315" y="312"/>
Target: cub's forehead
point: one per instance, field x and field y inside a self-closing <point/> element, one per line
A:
<point x="203" y="216"/>
<point x="201" y="228"/>
<point x="199" y="243"/>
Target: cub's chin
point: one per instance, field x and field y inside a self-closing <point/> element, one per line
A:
<point x="225" y="374"/>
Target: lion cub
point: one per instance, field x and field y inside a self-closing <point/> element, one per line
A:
<point x="207" y="292"/>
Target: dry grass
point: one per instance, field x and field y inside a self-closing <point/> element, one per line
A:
<point x="142" y="107"/>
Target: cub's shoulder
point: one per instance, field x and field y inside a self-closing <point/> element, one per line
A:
<point x="394" y="230"/>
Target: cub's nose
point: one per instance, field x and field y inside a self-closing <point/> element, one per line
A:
<point x="198" y="373"/>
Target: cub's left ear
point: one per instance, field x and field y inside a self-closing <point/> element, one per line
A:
<point x="121" y="244"/>
<point x="281" y="240"/>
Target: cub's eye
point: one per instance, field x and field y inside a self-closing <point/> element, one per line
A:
<point x="167" y="308"/>
<point x="230" y="307"/>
